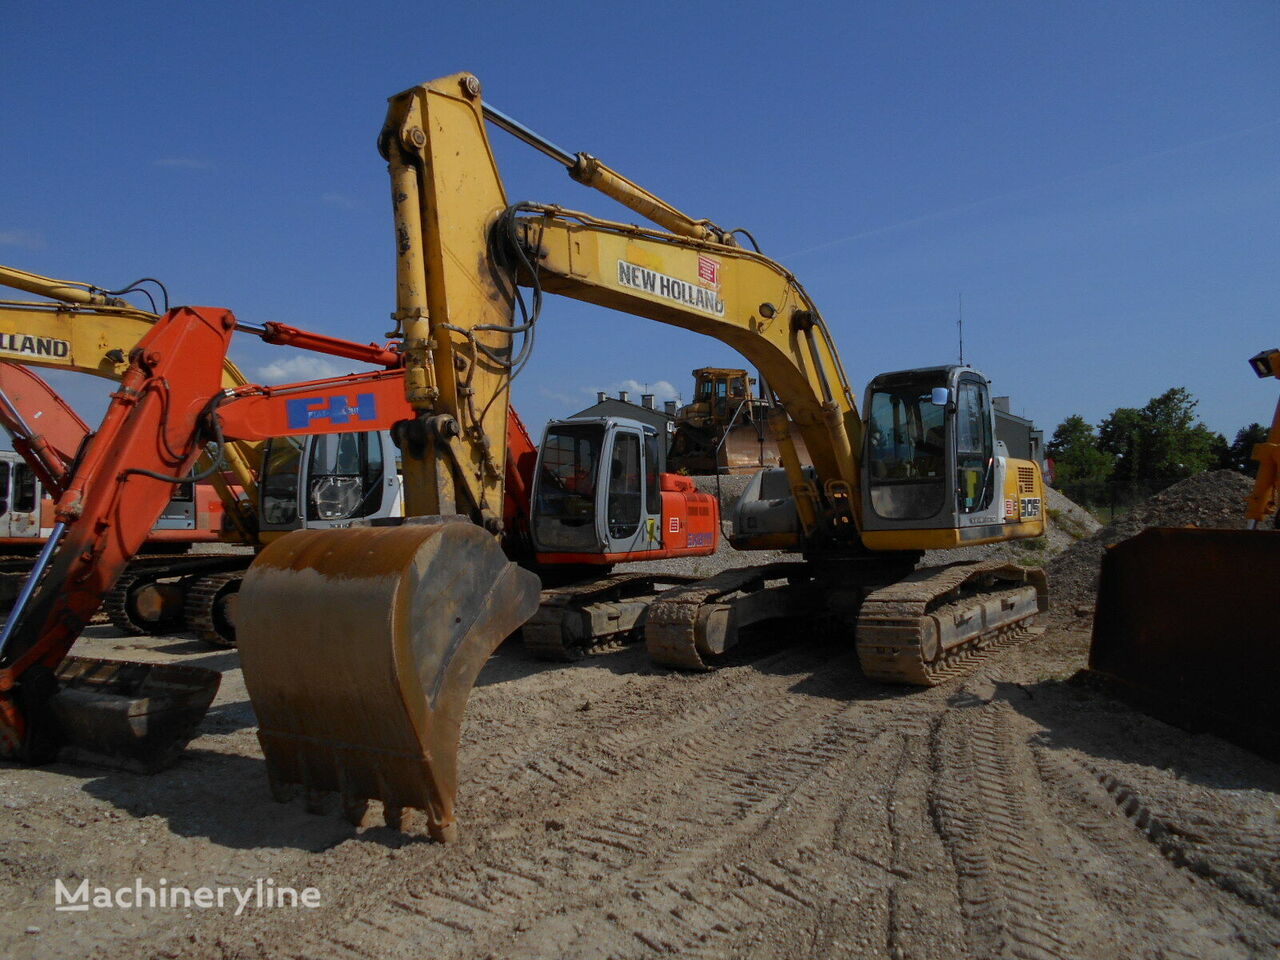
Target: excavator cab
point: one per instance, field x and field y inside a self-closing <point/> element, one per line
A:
<point x="600" y="496"/>
<point x="932" y="463"/>
<point x="342" y="477"/>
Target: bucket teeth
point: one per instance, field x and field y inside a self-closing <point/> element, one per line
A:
<point x="355" y="810"/>
<point x="362" y="649"/>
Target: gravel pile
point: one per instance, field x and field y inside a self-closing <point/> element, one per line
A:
<point x="730" y="489"/>
<point x="1212" y="500"/>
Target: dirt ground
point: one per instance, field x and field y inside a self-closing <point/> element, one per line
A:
<point x="782" y="806"/>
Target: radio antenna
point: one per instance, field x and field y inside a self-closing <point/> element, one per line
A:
<point x="960" y="325"/>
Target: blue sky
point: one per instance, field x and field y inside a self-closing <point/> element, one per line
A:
<point x="1101" y="181"/>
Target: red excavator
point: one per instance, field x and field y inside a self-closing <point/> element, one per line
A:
<point x="170" y="404"/>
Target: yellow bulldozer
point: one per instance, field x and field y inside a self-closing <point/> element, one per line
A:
<point x="1185" y="624"/>
<point x="725" y="429"/>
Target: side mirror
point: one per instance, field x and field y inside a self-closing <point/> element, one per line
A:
<point x="940" y="397"/>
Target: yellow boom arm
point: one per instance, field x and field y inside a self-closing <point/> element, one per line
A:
<point x="453" y="229"/>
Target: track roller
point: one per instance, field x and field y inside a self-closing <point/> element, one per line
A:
<point x="210" y="608"/>
<point x="141" y="603"/>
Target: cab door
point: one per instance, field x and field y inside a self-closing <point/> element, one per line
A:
<point x="979" y="473"/>
<point x="629" y="519"/>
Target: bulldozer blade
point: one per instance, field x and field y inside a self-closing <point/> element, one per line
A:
<point x="135" y="716"/>
<point x="1185" y="629"/>
<point x="747" y="447"/>
<point x="360" y="648"/>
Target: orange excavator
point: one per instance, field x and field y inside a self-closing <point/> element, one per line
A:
<point x="170" y="403"/>
<point x="1185" y="623"/>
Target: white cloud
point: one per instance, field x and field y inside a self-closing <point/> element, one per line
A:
<point x="339" y="200"/>
<point x="293" y="369"/>
<point x="185" y="163"/>
<point x="21" y="238"/>
<point x="662" y="390"/>
<point x="563" y="399"/>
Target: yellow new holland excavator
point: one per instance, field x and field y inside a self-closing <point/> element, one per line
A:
<point x="365" y="642"/>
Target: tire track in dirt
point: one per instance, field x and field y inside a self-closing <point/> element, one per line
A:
<point x="658" y="864"/>
<point x="1009" y="894"/>
<point x="1124" y="858"/>
<point x="1240" y="857"/>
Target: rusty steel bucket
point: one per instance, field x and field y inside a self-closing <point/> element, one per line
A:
<point x="1186" y="629"/>
<point x="136" y="716"/>
<point x="360" y="648"/>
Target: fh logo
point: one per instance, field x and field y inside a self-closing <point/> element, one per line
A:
<point x="302" y="411"/>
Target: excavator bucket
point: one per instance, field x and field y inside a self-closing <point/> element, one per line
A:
<point x="136" y="716"/>
<point x="360" y="647"/>
<point x="1185" y="629"/>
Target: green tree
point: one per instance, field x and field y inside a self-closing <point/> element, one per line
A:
<point x="1238" y="454"/>
<point x="1160" y="443"/>
<point x="1076" y="456"/>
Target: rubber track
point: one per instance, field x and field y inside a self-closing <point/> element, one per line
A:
<point x="116" y="604"/>
<point x="670" y="631"/>
<point x="544" y="635"/>
<point x="900" y="613"/>
<point x="198" y="608"/>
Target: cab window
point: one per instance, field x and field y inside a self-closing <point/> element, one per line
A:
<point x="24" y="489"/>
<point x="279" y="488"/>
<point x="564" y="515"/>
<point x="652" y="484"/>
<point x="906" y="452"/>
<point x="345" y="476"/>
